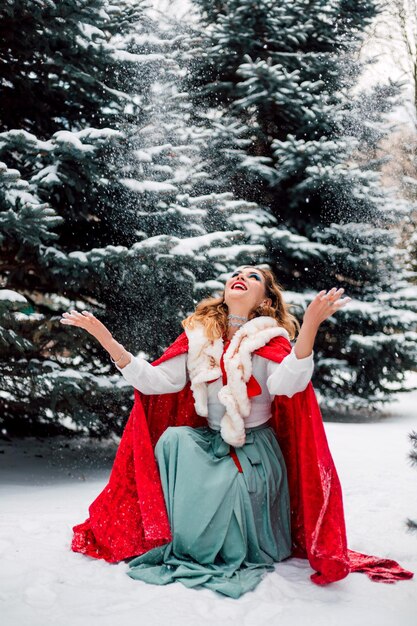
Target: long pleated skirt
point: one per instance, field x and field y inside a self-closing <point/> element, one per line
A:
<point x="229" y="527"/>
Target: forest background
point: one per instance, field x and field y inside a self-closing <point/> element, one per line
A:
<point x="148" y="148"/>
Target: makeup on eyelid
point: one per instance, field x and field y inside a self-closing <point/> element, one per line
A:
<point x="257" y="276"/>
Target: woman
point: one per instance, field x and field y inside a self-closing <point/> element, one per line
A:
<point x="223" y="474"/>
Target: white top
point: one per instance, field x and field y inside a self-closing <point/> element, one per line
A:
<point x="286" y="378"/>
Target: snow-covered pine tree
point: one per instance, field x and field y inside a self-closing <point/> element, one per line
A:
<point x="60" y="75"/>
<point x="98" y="208"/>
<point x="297" y="135"/>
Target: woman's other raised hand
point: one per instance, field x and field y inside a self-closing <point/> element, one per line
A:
<point x="323" y="305"/>
<point x="97" y="329"/>
<point x="88" y="322"/>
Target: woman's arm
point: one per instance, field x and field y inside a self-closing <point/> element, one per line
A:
<point x="296" y="369"/>
<point x="99" y="331"/>
<point x="291" y="375"/>
<point x="305" y="340"/>
<point x="169" y="376"/>
<point x="164" y="378"/>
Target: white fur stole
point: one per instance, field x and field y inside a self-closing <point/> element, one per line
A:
<point x="203" y="363"/>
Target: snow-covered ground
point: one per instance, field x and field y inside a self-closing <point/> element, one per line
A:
<point x="47" y="486"/>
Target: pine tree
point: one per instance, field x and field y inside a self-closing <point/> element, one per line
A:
<point x="101" y="208"/>
<point x="60" y="75"/>
<point x="278" y="79"/>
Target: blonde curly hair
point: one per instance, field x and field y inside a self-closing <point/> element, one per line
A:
<point x="212" y="312"/>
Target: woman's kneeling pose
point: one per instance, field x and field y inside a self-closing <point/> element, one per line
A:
<point x="223" y="468"/>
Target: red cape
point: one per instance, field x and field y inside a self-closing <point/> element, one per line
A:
<point x="129" y="516"/>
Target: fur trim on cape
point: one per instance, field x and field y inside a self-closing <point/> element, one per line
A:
<point x="203" y="364"/>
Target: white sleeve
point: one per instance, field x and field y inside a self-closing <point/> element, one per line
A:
<point x="291" y="375"/>
<point x="169" y="376"/>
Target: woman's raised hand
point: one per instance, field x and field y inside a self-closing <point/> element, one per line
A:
<point x="89" y="322"/>
<point x="323" y="305"/>
<point x="97" y="329"/>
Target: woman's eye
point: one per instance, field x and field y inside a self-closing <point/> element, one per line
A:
<point x="256" y="276"/>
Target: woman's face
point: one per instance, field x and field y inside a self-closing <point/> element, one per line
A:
<point x="245" y="289"/>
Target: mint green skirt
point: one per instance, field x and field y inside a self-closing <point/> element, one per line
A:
<point x="228" y="527"/>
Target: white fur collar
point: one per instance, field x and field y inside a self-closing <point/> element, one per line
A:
<point x="203" y="364"/>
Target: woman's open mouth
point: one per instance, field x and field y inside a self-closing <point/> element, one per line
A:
<point x="239" y="285"/>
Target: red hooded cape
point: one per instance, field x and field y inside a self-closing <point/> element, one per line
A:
<point x="129" y="516"/>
